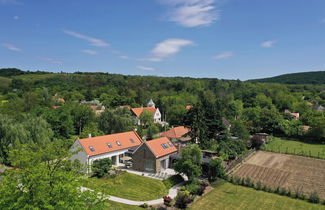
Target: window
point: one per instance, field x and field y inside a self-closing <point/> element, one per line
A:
<point x="92" y="148"/>
<point x="109" y="145"/>
<point x="164" y="146"/>
<point x="170" y="144"/>
<point x="118" y="143"/>
<point x="132" y="141"/>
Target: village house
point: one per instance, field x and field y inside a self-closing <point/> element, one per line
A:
<point x="154" y="155"/>
<point x="113" y="146"/>
<point x="179" y="135"/>
<point x="94" y="105"/>
<point x="151" y="108"/>
<point x="295" y="115"/>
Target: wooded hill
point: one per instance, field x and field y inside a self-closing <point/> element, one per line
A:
<point x="315" y="77"/>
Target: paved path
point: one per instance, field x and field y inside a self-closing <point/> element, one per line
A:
<point x="172" y="193"/>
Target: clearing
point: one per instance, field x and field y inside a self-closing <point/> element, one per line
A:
<point x="129" y="186"/>
<point x="288" y="171"/>
<point x="295" y="148"/>
<point x="231" y="197"/>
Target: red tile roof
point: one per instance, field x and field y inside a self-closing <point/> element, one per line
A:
<point x="100" y="143"/>
<point x="176" y="132"/>
<point x="188" y="107"/>
<point x="138" y="111"/>
<point x="156" y="146"/>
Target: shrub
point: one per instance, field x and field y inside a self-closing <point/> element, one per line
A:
<point x="258" y="186"/>
<point x="101" y="167"/>
<point x="145" y="205"/>
<point x="182" y="199"/>
<point x="173" y="180"/>
<point x="195" y="187"/>
<point x="248" y="182"/>
<point x="283" y="191"/>
<point x="314" y="198"/>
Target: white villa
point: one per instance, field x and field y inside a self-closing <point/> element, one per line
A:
<point x="113" y="146"/>
<point x="151" y="108"/>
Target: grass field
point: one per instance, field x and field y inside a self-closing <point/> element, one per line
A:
<point x="295" y="148"/>
<point x="111" y="205"/>
<point x="5" y="81"/>
<point x="129" y="186"/>
<point x="232" y="197"/>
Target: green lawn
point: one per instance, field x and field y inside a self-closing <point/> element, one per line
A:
<point x="111" y="205"/>
<point x="232" y="197"/>
<point x="295" y="148"/>
<point x="129" y="186"/>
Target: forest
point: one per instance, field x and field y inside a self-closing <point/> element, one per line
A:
<point x="39" y="107"/>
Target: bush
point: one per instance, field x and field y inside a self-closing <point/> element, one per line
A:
<point x="248" y="182"/>
<point x="101" y="167"/>
<point x="173" y="180"/>
<point x="145" y="205"/>
<point x="314" y="198"/>
<point x="182" y="199"/>
<point x="283" y="191"/>
<point x="195" y="187"/>
<point x="258" y="186"/>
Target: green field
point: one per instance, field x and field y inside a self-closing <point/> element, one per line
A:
<point x="4" y="81"/>
<point x="295" y="148"/>
<point x="111" y="205"/>
<point x="129" y="186"/>
<point x="232" y="197"/>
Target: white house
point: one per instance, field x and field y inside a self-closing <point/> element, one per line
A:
<point x="113" y="146"/>
<point x="151" y="108"/>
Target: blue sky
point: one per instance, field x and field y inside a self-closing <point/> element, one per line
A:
<point x="229" y="39"/>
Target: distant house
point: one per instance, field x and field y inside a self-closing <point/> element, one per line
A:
<point x="151" y="108"/>
<point x="154" y="155"/>
<point x="58" y="99"/>
<point x="113" y="146"/>
<point x="295" y="115"/>
<point x="261" y="137"/>
<point x="188" y="107"/>
<point x="178" y="135"/>
<point x="94" y="105"/>
<point x="318" y="108"/>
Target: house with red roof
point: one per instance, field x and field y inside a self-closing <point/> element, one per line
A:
<point x="113" y="146"/>
<point x="151" y="108"/>
<point x="178" y="135"/>
<point x="154" y="156"/>
<point x="295" y="115"/>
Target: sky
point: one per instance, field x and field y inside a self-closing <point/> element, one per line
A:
<point x="228" y="39"/>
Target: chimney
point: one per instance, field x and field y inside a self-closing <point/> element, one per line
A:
<point x="89" y="135"/>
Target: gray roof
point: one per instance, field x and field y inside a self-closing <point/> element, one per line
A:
<point x="151" y="102"/>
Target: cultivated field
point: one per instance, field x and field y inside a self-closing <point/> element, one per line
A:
<point x="288" y="171"/>
<point x="233" y="197"/>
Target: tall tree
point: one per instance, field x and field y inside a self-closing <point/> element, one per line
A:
<point x="46" y="179"/>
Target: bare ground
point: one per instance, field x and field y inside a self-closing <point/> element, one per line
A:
<point x="289" y="171"/>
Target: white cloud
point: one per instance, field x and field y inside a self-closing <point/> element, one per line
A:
<point x="168" y="48"/>
<point x="93" y="41"/>
<point x="16" y="17"/>
<point x="10" y="47"/>
<point x="91" y="52"/>
<point x="223" y="55"/>
<point x="192" y="13"/>
<point x="146" y="68"/>
<point x="51" y="60"/>
<point x="124" y="57"/>
<point x="268" y="44"/>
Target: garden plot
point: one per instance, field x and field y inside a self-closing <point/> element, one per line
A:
<point x="288" y="171"/>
